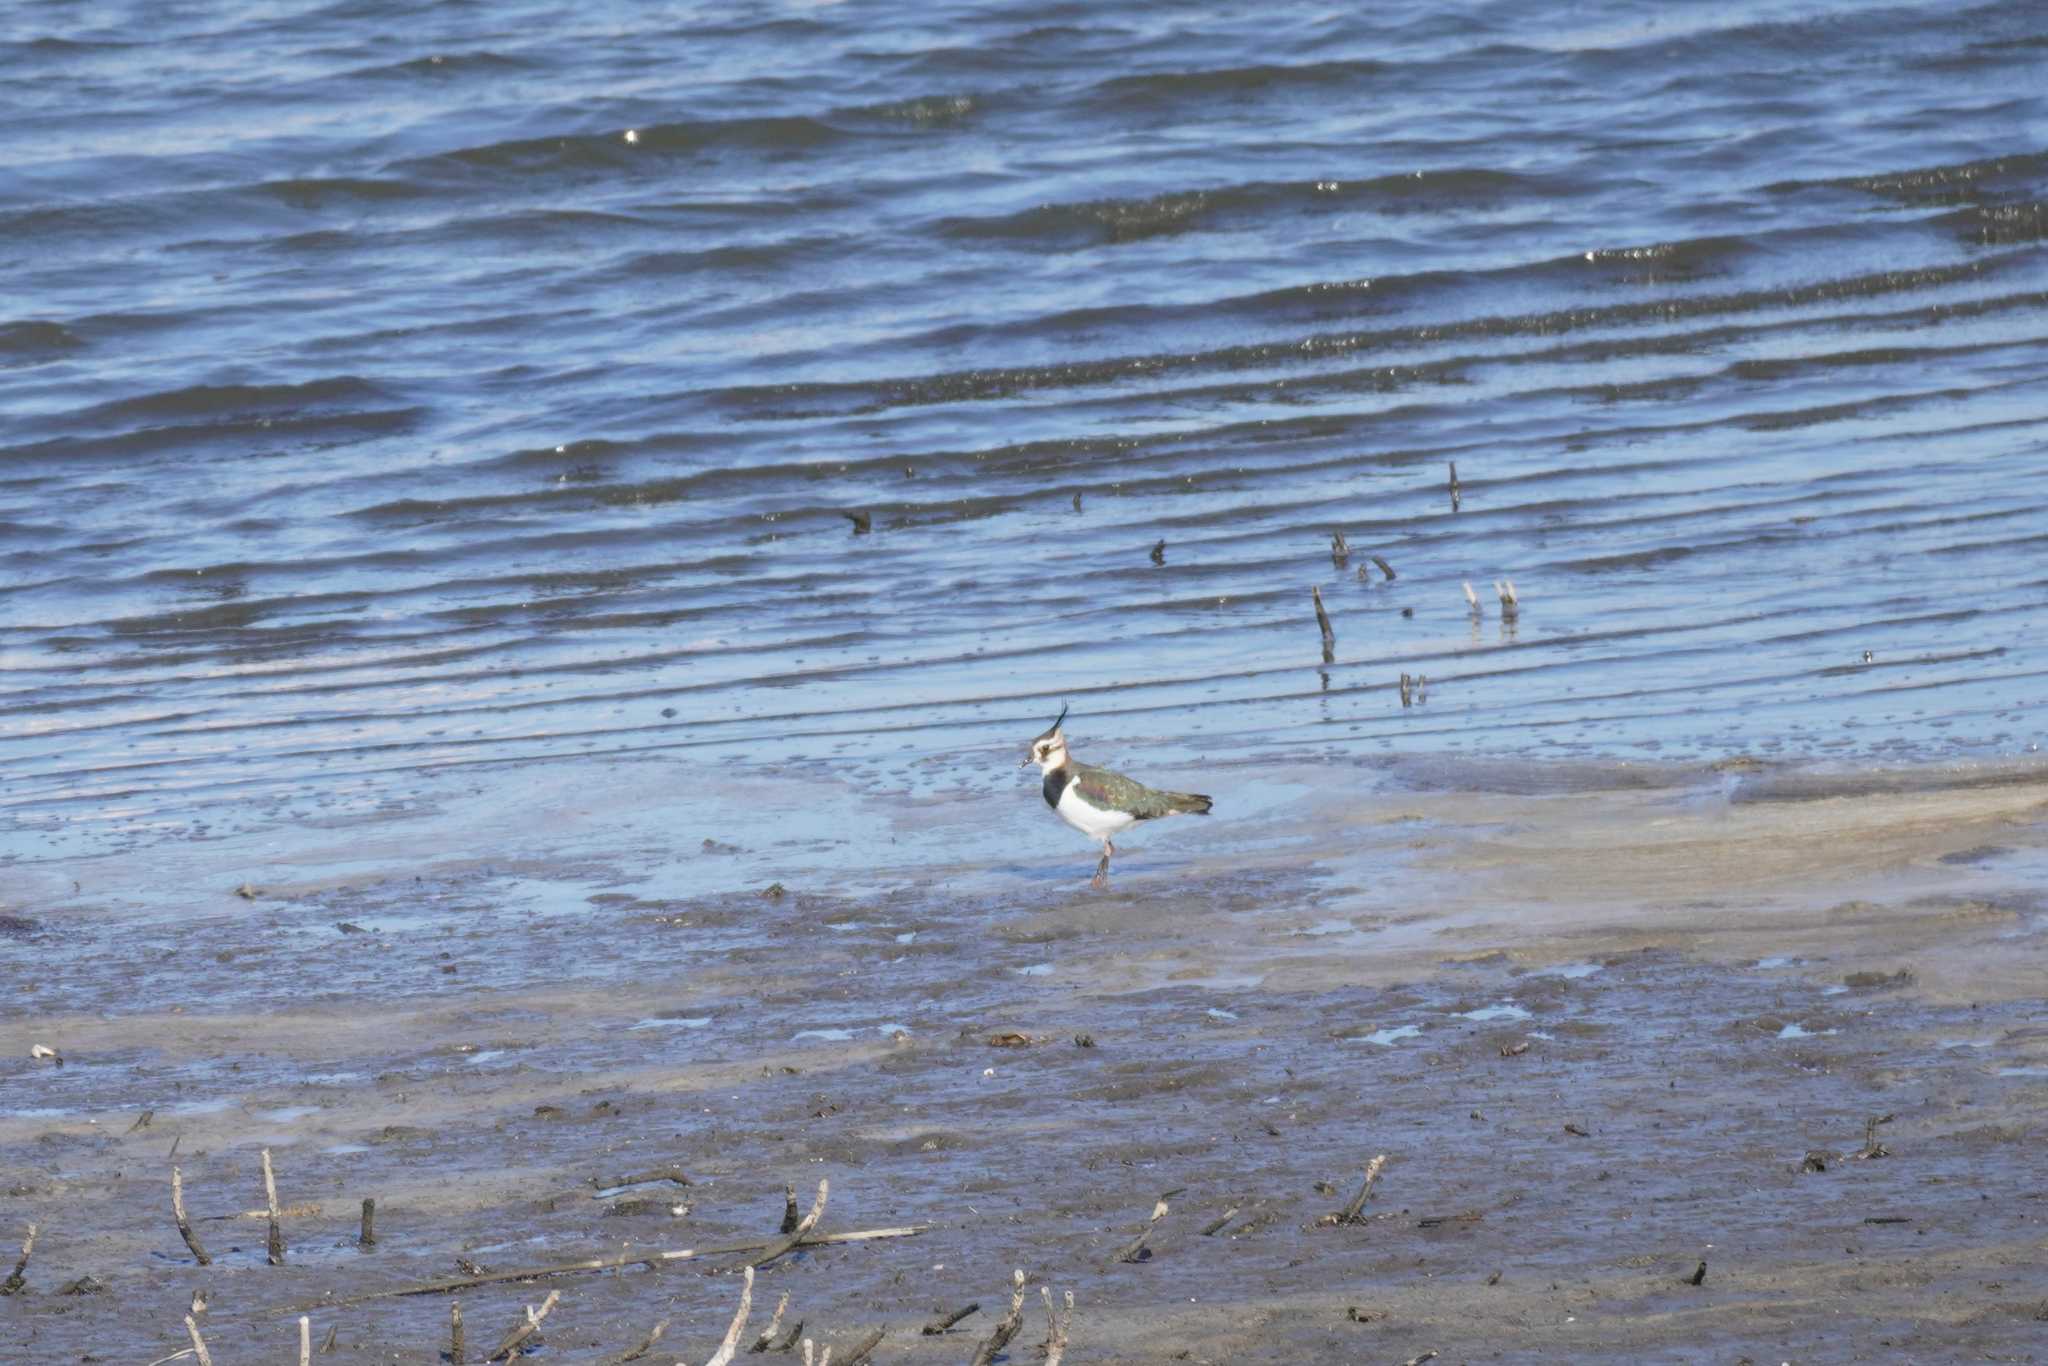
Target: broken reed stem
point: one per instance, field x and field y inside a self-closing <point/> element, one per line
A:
<point x="1472" y="600"/>
<point x="1385" y="568"/>
<point x="455" y="1332"/>
<point x="944" y="1322"/>
<point x="796" y="1235"/>
<point x="305" y="1341"/>
<point x="774" y="1325"/>
<point x="198" y="1343"/>
<point x="1510" y="604"/>
<point x="327" y="1343"/>
<point x="1454" y="486"/>
<point x="864" y="1349"/>
<point x="650" y="1260"/>
<point x="521" y="1332"/>
<point x="999" y="1338"/>
<point x="184" y="1224"/>
<point x="274" y="1245"/>
<point x="1353" y="1212"/>
<point x="1136" y="1251"/>
<point x="1340" y="552"/>
<point x="1215" y="1226"/>
<point x="1322" y="617"/>
<point x="368" y="1236"/>
<point x="789" y="1214"/>
<point x="15" y="1281"/>
<point x="723" y="1356"/>
<point x="654" y="1336"/>
<point x="1056" y="1327"/>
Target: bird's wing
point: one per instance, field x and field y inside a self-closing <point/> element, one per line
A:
<point x="1106" y="789"/>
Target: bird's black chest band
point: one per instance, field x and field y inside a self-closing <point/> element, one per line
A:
<point x="1056" y="785"/>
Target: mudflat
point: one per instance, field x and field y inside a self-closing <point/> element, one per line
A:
<point x="1713" y="1064"/>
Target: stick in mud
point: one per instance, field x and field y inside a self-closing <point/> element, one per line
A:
<point x="327" y="1343"/>
<point x="184" y="1224"/>
<point x="796" y="1235"/>
<point x="1472" y="601"/>
<point x="1699" y="1275"/>
<point x="455" y="1348"/>
<point x="1385" y="568"/>
<point x="274" y="1245"/>
<point x="864" y="1349"/>
<point x="1056" y="1327"/>
<point x="368" y="1236"/>
<point x="789" y="1214"/>
<point x="654" y="1336"/>
<point x="1354" y="1213"/>
<point x="198" y="1343"/>
<point x="521" y="1332"/>
<point x="1454" y="486"/>
<point x="944" y="1322"/>
<point x="1158" y="557"/>
<point x="650" y="1260"/>
<point x="1340" y="551"/>
<point x="774" y="1325"/>
<point x="1215" y="1226"/>
<point x="1510" y="604"/>
<point x="1136" y="1251"/>
<point x="1007" y="1329"/>
<point x="1322" y="617"/>
<point x="723" y="1356"/>
<point x="305" y="1341"/>
<point x="15" y="1281"/>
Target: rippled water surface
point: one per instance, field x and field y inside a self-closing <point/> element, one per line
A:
<point x="391" y="388"/>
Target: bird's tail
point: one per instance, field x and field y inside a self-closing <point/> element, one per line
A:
<point x="1193" y="803"/>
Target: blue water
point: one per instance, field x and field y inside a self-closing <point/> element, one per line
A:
<point x="390" y="390"/>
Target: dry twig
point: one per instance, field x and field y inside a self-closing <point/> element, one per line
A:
<point x="522" y="1331"/>
<point x="1007" y="1329"/>
<point x="723" y="1356"/>
<point x="274" y="1245"/>
<point x="944" y="1322"/>
<point x="774" y="1325"/>
<point x="1056" y="1326"/>
<point x="15" y="1281"/>
<point x="184" y="1224"/>
<point x="1136" y="1251"/>
<point x="198" y="1343"/>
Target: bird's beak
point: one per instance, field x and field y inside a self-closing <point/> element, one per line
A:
<point x="1026" y="763"/>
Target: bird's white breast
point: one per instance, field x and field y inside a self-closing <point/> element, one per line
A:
<point x="1096" y="825"/>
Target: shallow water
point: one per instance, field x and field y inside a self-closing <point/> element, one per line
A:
<point x="390" y="393"/>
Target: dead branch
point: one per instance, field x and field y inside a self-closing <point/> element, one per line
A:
<point x="1385" y="568"/>
<point x="1454" y="486"/>
<point x="789" y="1211"/>
<point x="1510" y="604"/>
<point x="198" y="1343"/>
<point x="1215" y="1226"/>
<point x="864" y="1349"/>
<point x="1354" y="1213"/>
<point x="184" y="1224"/>
<point x="1000" y="1337"/>
<point x="647" y="1343"/>
<point x="305" y="1341"/>
<point x="789" y="1241"/>
<point x="723" y="1356"/>
<point x="944" y="1322"/>
<point x="1340" y="552"/>
<point x="15" y="1281"/>
<point x="368" y="1236"/>
<point x="455" y="1346"/>
<point x="1136" y="1251"/>
<point x="524" y="1330"/>
<point x="1056" y="1326"/>
<point x="774" y="1325"/>
<point x="1322" y="617"/>
<point x="1472" y="601"/>
<point x="650" y="1260"/>
<point x="275" y="1243"/>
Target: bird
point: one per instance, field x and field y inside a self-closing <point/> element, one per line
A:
<point x="1098" y="803"/>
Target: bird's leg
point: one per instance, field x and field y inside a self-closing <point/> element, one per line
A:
<point x="1101" y="878"/>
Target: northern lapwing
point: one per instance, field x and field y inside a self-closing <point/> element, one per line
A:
<point x="1098" y="803"/>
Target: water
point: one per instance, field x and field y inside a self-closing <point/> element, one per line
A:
<point x="394" y="391"/>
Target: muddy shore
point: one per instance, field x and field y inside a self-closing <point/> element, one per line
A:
<point x="1604" y="1031"/>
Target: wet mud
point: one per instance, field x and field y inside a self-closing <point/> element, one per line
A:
<point x="1656" y="1073"/>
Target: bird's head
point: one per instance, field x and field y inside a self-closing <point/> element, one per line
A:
<point x="1049" y="748"/>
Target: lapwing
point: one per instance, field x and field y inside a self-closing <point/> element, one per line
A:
<point x="1098" y="803"/>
